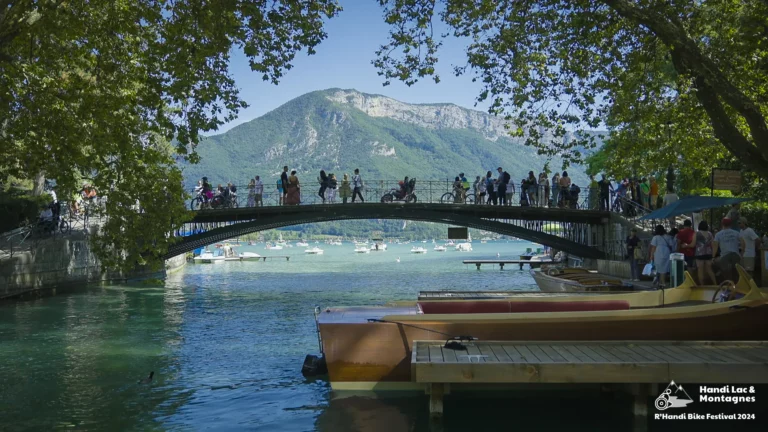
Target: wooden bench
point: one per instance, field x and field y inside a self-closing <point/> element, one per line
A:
<point x="642" y="364"/>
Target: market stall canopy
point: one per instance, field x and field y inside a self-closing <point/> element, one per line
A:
<point x="692" y="204"/>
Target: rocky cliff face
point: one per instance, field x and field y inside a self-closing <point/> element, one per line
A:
<point x="339" y="130"/>
<point x="437" y="116"/>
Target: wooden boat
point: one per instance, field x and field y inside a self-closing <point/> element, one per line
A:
<point x="556" y="279"/>
<point x="688" y="293"/>
<point x="369" y="348"/>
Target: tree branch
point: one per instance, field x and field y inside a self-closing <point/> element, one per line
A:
<point x="693" y="62"/>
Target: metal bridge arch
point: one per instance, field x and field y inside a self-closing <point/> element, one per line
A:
<point x="577" y="238"/>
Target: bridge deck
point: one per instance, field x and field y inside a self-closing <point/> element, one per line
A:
<point x="501" y="263"/>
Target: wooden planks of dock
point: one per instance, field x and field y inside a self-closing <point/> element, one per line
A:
<point x="501" y="263"/>
<point x="626" y="362"/>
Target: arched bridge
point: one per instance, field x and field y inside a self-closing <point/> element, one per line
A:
<point x="583" y="233"/>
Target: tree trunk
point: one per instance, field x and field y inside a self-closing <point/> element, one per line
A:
<point x="712" y="85"/>
<point x="38" y="184"/>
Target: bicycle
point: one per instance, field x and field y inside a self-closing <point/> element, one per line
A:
<point x="451" y="198"/>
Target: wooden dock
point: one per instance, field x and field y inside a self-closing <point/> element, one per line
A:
<point x="501" y="263"/>
<point x="264" y="258"/>
<point x="641" y="364"/>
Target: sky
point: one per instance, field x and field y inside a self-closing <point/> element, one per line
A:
<point x="343" y="60"/>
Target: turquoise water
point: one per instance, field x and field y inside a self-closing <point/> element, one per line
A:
<point x="226" y="342"/>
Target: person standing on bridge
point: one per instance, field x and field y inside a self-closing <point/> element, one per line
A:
<point x="252" y="193"/>
<point x="605" y="187"/>
<point x="555" y="188"/>
<point x="323" y="180"/>
<point x="357" y="184"/>
<point x="345" y="191"/>
<point x="331" y="191"/>
<point x="480" y="190"/>
<point x="284" y="185"/>
<point x="501" y="183"/>
<point x="491" y="186"/>
<point x="510" y="190"/>
<point x="258" y="191"/>
<point x="293" y="196"/>
<point x="565" y="189"/>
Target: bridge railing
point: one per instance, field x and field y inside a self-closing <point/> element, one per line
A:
<point x="426" y="191"/>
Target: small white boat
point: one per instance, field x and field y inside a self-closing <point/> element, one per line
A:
<point x="464" y="247"/>
<point x="439" y="248"/>
<point x="362" y="249"/>
<point x="335" y="243"/>
<point x="302" y="244"/>
<point x="418" y="250"/>
<point x="249" y="256"/>
<point x="314" y="251"/>
<point x="270" y="246"/>
<point x="378" y="247"/>
<point x="207" y="257"/>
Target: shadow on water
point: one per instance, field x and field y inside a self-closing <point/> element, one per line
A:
<point x="517" y="410"/>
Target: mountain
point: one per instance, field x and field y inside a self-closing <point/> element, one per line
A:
<point x="340" y="130"/>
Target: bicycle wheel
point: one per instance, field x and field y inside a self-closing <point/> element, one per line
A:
<point x="194" y="204"/>
<point x="470" y="199"/>
<point x="447" y="198"/>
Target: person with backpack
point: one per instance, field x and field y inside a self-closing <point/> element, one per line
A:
<point x="501" y="186"/>
<point x="704" y="240"/>
<point x="331" y="191"/>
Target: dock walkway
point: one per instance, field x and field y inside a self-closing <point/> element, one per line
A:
<point x="640" y="363"/>
<point x="501" y="263"/>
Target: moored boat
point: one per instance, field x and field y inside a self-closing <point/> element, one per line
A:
<point x="439" y="248"/>
<point x="249" y="256"/>
<point x="556" y="279"/>
<point x="362" y="250"/>
<point x="208" y="257"/>
<point x="370" y="347"/>
<point x="314" y="251"/>
<point x="418" y="250"/>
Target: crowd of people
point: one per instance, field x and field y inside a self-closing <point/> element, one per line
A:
<point x="702" y="249"/>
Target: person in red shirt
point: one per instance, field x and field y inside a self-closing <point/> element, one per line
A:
<point x="686" y="240"/>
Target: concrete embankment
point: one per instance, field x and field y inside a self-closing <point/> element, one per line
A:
<point x="59" y="264"/>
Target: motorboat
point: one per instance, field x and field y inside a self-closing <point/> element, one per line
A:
<point x="439" y="248"/>
<point x="314" y="251"/>
<point x="464" y="247"/>
<point x="271" y="246"/>
<point x="378" y="247"/>
<point x="556" y="279"/>
<point x="282" y="243"/>
<point x="208" y="257"/>
<point x="249" y="256"/>
<point x="418" y="250"/>
<point x="302" y="244"/>
<point x="362" y="249"/>
<point x="335" y="243"/>
<point x="371" y="347"/>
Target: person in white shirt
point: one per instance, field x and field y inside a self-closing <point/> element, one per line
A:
<point x="258" y="190"/>
<point x="357" y="185"/>
<point x="750" y="242"/>
<point x="727" y="241"/>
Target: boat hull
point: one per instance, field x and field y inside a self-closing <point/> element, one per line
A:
<point x="364" y="355"/>
<point x="553" y="284"/>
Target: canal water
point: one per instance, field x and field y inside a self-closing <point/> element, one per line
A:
<point x="226" y="342"/>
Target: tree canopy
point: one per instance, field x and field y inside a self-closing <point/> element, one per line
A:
<point x="675" y="81"/>
<point x="95" y="90"/>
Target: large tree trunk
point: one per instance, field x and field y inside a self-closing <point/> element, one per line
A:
<point x="712" y="87"/>
<point x="38" y="184"/>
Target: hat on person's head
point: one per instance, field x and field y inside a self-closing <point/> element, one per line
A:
<point x="726" y="222"/>
<point x="743" y="220"/>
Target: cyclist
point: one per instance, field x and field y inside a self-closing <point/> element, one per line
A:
<point x="464" y="186"/>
